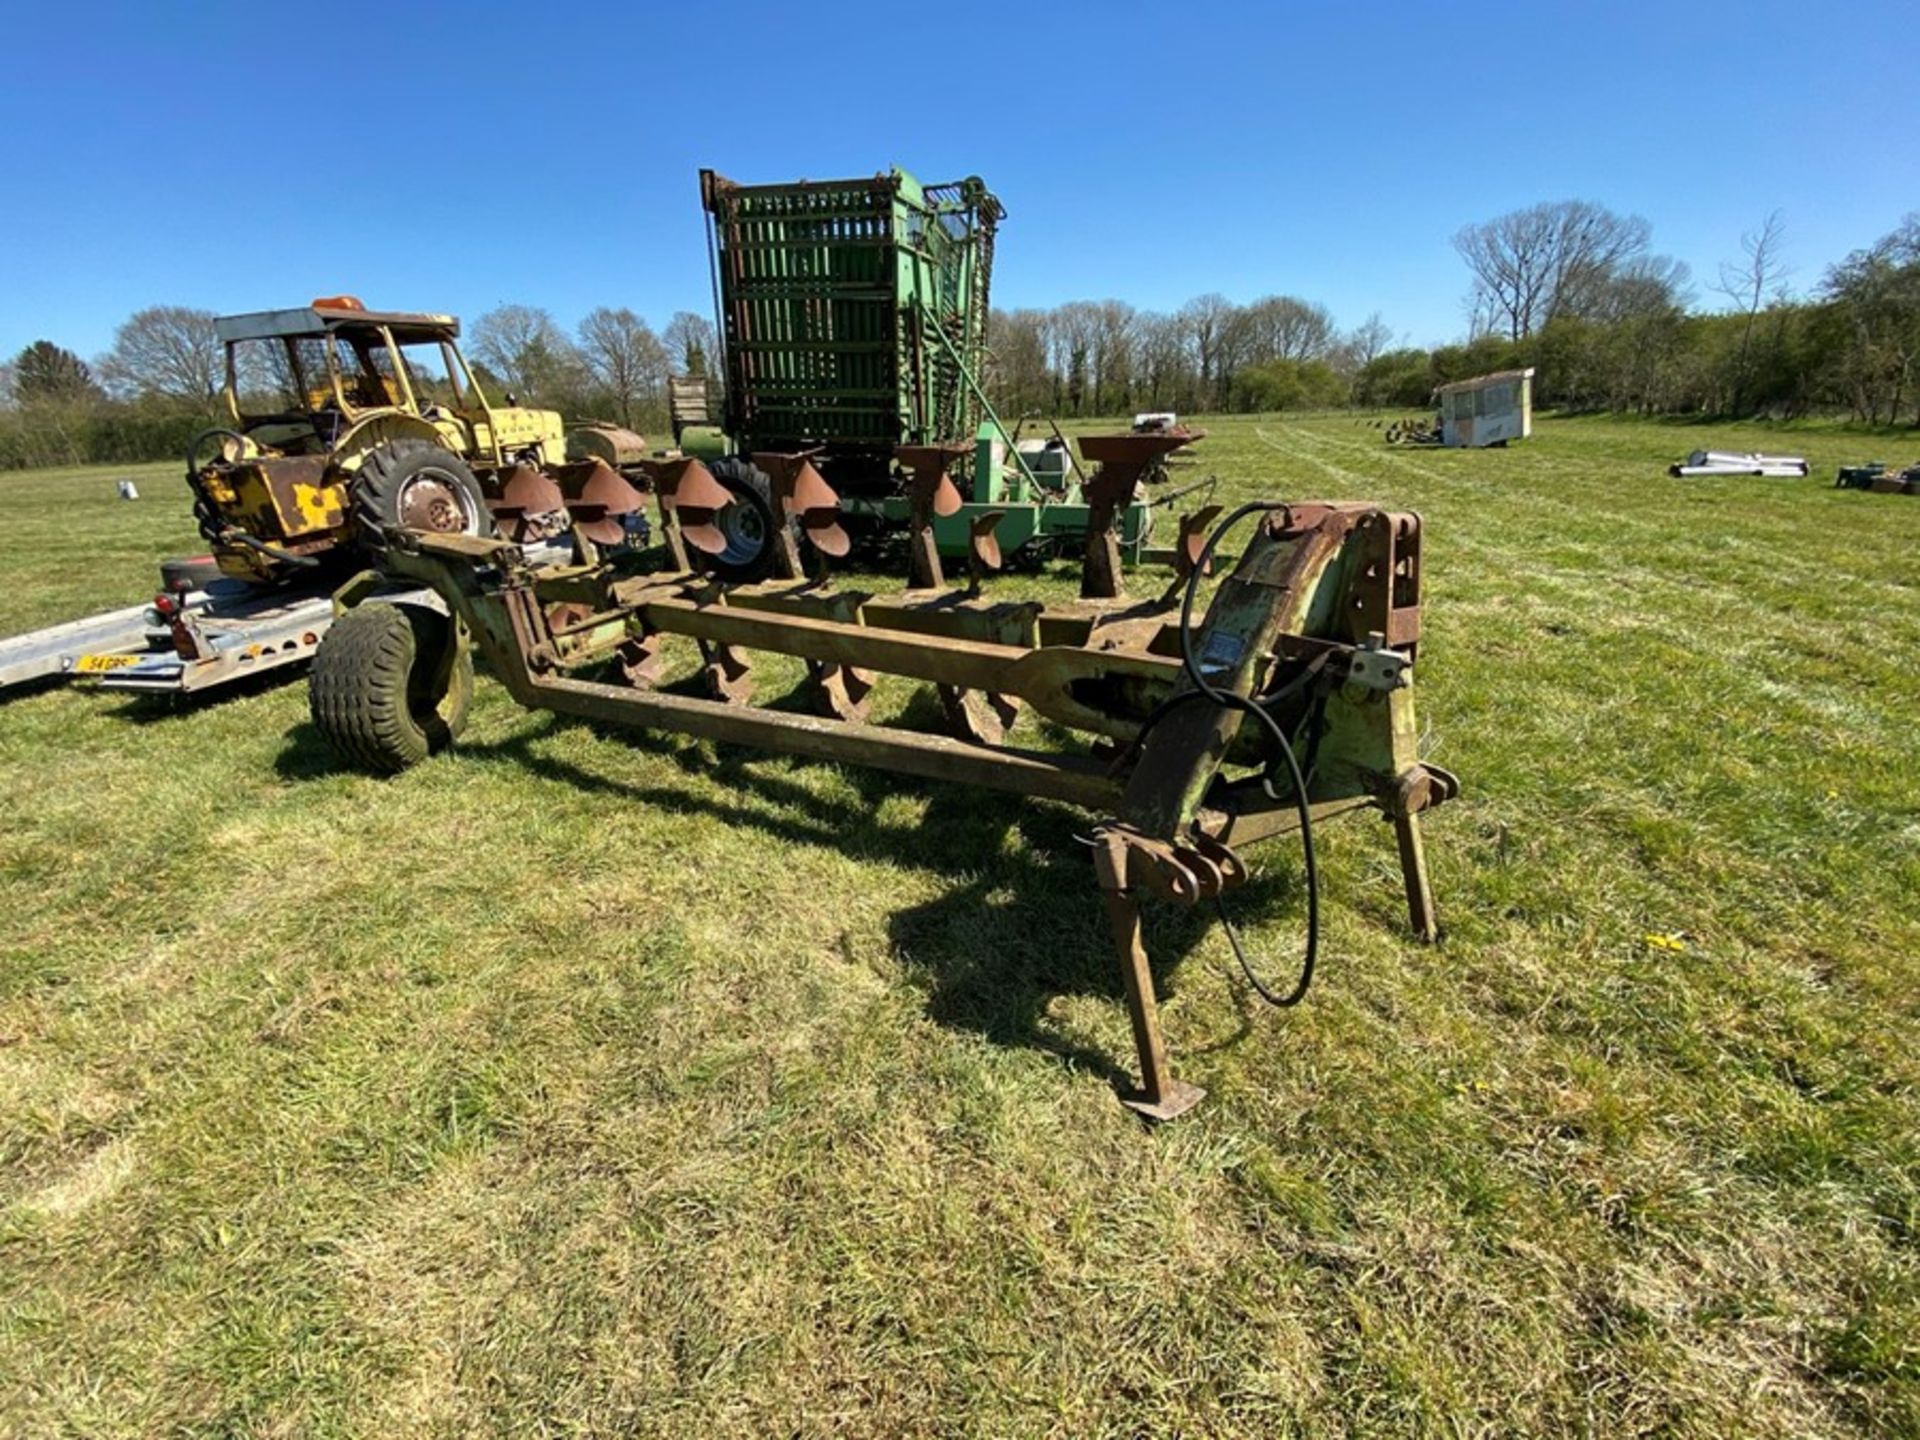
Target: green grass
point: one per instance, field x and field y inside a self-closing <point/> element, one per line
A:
<point x="69" y="546"/>
<point x="580" y="1083"/>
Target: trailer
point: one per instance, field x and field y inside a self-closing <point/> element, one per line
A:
<point x="1474" y="414"/>
<point x="186" y="642"/>
<point x="41" y="654"/>
<point x="1486" y="410"/>
<point x="229" y="632"/>
<point x="179" y="643"/>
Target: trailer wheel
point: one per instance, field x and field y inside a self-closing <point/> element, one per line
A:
<point x="416" y="485"/>
<point x="746" y="522"/>
<point x="384" y="692"/>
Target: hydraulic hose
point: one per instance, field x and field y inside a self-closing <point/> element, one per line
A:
<point x="1203" y="689"/>
<point x="272" y="552"/>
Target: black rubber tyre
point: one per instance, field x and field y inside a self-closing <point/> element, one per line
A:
<point x="183" y="573"/>
<point x="376" y="693"/>
<point x="419" y="485"/>
<point x="747" y="522"/>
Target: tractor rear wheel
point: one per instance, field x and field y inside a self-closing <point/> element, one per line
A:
<point x="384" y="692"/>
<point x="746" y="522"/>
<point x="415" y="485"/>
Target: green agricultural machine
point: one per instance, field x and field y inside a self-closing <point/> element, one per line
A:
<point x="853" y="322"/>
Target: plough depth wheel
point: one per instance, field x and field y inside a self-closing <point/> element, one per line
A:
<point x="390" y="686"/>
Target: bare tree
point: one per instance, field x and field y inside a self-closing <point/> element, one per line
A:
<point x="1646" y="285"/>
<point x="1280" y="327"/>
<point x="1547" y="261"/>
<point x="692" y="347"/>
<point x="167" y="351"/>
<point x="1113" y="344"/>
<point x="1368" y="342"/>
<point x="1070" y="337"/>
<point x="523" y="347"/>
<point x="1747" y="284"/>
<point x="1162" y="360"/>
<point x="1508" y="258"/>
<point x="1017" y="359"/>
<point x="1592" y="246"/>
<point x="625" y="356"/>
<point x="1204" y="320"/>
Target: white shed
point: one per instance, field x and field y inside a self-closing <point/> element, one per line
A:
<point x="1487" y="410"/>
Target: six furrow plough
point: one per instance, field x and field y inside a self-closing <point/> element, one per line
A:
<point x="1285" y="700"/>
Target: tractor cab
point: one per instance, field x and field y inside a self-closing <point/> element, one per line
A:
<point x="308" y="381"/>
<point x="342" y="422"/>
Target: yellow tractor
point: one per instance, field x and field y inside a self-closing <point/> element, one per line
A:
<point x="345" y="422"/>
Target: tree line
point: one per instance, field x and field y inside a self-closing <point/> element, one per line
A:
<point x="1569" y="287"/>
<point x="159" y="384"/>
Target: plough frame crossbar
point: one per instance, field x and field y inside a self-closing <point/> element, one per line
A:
<point x="1318" y="623"/>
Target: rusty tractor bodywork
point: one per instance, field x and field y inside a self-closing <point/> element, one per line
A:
<point x="313" y="393"/>
<point x="1286" y="701"/>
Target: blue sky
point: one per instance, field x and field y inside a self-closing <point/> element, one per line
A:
<point x="455" y="158"/>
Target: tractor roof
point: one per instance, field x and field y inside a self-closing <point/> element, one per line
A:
<point x="323" y="319"/>
<point x="1479" y="380"/>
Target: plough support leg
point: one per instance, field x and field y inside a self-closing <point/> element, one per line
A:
<point x="1161" y="1096"/>
<point x="1413" y="868"/>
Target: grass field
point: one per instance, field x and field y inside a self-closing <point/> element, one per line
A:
<point x="586" y="1084"/>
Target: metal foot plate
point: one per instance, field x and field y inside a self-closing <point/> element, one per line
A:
<point x="1179" y="1098"/>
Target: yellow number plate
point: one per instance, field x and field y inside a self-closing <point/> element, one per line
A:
<point x="94" y="664"/>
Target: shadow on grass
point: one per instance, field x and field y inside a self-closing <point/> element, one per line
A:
<point x="144" y="707"/>
<point x="27" y="689"/>
<point x="1021" y="922"/>
<point x="307" y="756"/>
<point x="148" y="707"/>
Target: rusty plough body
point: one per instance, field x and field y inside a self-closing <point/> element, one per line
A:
<point x="1307" y="648"/>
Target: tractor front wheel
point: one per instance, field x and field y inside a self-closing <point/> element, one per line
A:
<point x="390" y="686"/>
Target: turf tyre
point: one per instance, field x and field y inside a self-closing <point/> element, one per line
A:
<point x="376" y="693"/>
